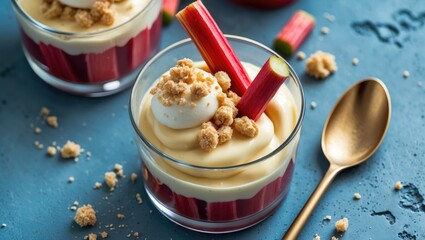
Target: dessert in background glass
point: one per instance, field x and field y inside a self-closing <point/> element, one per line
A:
<point x="95" y="60"/>
<point x="220" y="198"/>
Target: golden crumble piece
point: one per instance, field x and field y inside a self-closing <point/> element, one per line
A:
<point x="334" y="238"/>
<point x="117" y="167"/>
<point x="139" y="198"/>
<point x="97" y="185"/>
<point x="52" y="10"/>
<point x="246" y="126"/>
<point x="37" y="130"/>
<point x="234" y="97"/>
<point x="398" y="185"/>
<point x="120" y="216"/>
<point x="223" y="116"/>
<point x="133" y="177"/>
<point x="108" y="18"/>
<point x="181" y="74"/>
<point x="44" y="111"/>
<point x="185" y="62"/>
<point x="224" y="134"/>
<point x="111" y="179"/>
<point x="321" y="64"/>
<point x="223" y="80"/>
<point x="357" y="196"/>
<point x="341" y="225"/>
<point x="85" y="216"/>
<point x="136" y="234"/>
<point x="83" y="18"/>
<point x="51" y="151"/>
<point x="68" y="13"/>
<point x="70" y="150"/>
<point x="92" y="236"/>
<point x="98" y="8"/>
<point x="208" y="137"/>
<point x="325" y="30"/>
<point x="301" y="55"/>
<point x="317" y="237"/>
<point x="199" y="90"/>
<point x="327" y="217"/>
<point x="52" y="121"/>
<point x="406" y="74"/>
<point x="223" y="100"/>
<point x="104" y="234"/>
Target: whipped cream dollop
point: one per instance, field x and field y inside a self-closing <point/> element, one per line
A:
<point x="185" y="97"/>
<point x="78" y="3"/>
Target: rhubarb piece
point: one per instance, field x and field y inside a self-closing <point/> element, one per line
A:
<point x="265" y="85"/>
<point x="155" y="35"/>
<point x="186" y="206"/>
<point x="213" y="46"/>
<point x="57" y="62"/>
<point x="102" y="67"/>
<point x="169" y="9"/>
<point x="294" y="32"/>
<point x="222" y="211"/>
<point x="139" y="49"/>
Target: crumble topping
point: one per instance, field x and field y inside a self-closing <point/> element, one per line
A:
<point x="246" y="126"/>
<point x="101" y="11"/>
<point x="118" y="168"/>
<point x="223" y="80"/>
<point x="52" y="121"/>
<point x="320" y="64"/>
<point x="92" y="236"/>
<point x="70" y="150"/>
<point x="208" y="137"/>
<point x="51" y="151"/>
<point x="341" y="225"/>
<point x="85" y="216"/>
<point x="111" y="179"/>
<point x="104" y="234"/>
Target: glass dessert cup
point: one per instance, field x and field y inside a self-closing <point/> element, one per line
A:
<point x="91" y="63"/>
<point x="195" y="204"/>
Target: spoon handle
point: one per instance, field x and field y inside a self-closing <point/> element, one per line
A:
<point x="308" y="208"/>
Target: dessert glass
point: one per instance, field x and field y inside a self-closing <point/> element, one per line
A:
<point x="214" y="209"/>
<point x="92" y="63"/>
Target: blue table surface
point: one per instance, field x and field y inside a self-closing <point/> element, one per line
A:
<point x="386" y="36"/>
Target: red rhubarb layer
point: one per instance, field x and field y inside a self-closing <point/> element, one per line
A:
<point x="114" y="63"/>
<point x="198" y="209"/>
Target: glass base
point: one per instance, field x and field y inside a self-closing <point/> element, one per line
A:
<point x="88" y="90"/>
<point x="216" y="227"/>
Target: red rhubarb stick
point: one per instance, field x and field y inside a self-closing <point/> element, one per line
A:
<point x="265" y="85"/>
<point x="294" y="32"/>
<point x="213" y="46"/>
<point x="169" y="9"/>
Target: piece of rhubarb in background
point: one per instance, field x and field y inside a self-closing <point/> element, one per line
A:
<point x="213" y="46"/>
<point x="265" y="85"/>
<point x="293" y="33"/>
<point x="102" y="67"/>
<point x="169" y="9"/>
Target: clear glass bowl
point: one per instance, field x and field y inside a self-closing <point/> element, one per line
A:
<point x="92" y="63"/>
<point x="195" y="205"/>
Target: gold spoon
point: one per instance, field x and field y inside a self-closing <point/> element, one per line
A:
<point x="353" y="131"/>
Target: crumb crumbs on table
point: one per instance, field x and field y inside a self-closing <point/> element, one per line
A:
<point x="37" y="130"/>
<point x="327" y="217"/>
<point x="133" y="177"/>
<point x="334" y="238"/>
<point x="320" y="65"/>
<point x="3" y="225"/>
<point x="51" y="151"/>
<point x="355" y="61"/>
<point x="104" y="234"/>
<point x="71" y="179"/>
<point x="313" y="105"/>
<point x="45" y="111"/>
<point x="52" y="121"/>
<point x="120" y="216"/>
<point x="406" y="74"/>
<point x="139" y="198"/>
<point x="301" y="55"/>
<point x="70" y="150"/>
<point x="316" y="237"/>
<point x="357" y="196"/>
<point x="341" y="225"/>
<point x="398" y="185"/>
<point x="85" y="216"/>
<point x="111" y="180"/>
<point x="97" y="185"/>
<point x="325" y="30"/>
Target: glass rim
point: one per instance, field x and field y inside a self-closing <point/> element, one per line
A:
<point x="46" y="28"/>
<point x="285" y="143"/>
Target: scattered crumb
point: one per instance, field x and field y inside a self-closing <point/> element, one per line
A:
<point x="76" y="203"/>
<point x="37" y="130"/>
<point x="97" y="185"/>
<point x="51" y="151"/>
<point x="70" y="150"/>
<point x="52" y="121"/>
<point x="133" y="177"/>
<point x="246" y="126"/>
<point x="317" y="237"/>
<point x="117" y="167"/>
<point x="136" y="234"/>
<point x="139" y="198"/>
<point x="355" y="61"/>
<point x="327" y="217"/>
<point x="341" y="225"/>
<point x="398" y="185"/>
<point x="301" y="55"/>
<point x="85" y="216"/>
<point x="92" y="236"/>
<point x="120" y="216"/>
<point x="71" y="179"/>
<point x="325" y="30"/>
<point x="38" y="145"/>
<point x="329" y="17"/>
<point x="313" y="105"/>
<point x="104" y="234"/>
<point x="208" y="137"/>
<point x="3" y="225"/>
<point x="45" y="111"/>
<point x="111" y="179"/>
<point x="320" y="64"/>
<point x="128" y="235"/>
<point x="406" y="74"/>
<point x="73" y="208"/>
<point x="334" y="238"/>
<point x="357" y="196"/>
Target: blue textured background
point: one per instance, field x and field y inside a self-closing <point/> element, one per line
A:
<point x="35" y="196"/>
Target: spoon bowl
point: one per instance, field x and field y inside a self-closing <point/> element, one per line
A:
<point x="357" y="124"/>
<point x="353" y="131"/>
